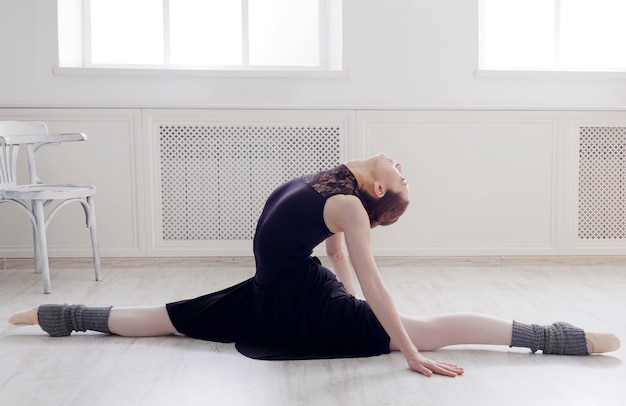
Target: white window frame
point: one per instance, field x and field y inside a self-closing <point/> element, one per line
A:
<point x="330" y="51"/>
<point x="548" y="72"/>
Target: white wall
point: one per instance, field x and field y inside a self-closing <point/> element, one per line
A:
<point x="493" y="162"/>
<point x="400" y="53"/>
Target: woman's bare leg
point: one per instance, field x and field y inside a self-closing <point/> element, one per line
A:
<point x="141" y="322"/>
<point x="432" y="332"/>
<point x="123" y="321"/>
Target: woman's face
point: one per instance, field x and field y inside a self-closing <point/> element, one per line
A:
<point x="389" y="173"/>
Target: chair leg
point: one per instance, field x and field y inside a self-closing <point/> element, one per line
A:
<point x="35" y="248"/>
<point x="91" y="223"/>
<point x="41" y="245"/>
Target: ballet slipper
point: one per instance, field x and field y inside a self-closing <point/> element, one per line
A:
<point x="598" y="343"/>
<point x="25" y="317"/>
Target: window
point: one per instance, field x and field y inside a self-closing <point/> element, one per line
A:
<point x="201" y="34"/>
<point x="559" y="35"/>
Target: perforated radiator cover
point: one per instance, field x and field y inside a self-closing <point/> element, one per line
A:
<point x="602" y="183"/>
<point x="214" y="179"/>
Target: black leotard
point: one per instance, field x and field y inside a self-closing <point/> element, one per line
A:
<point x="293" y="308"/>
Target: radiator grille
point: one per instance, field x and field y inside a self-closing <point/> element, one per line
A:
<point x="215" y="178"/>
<point x="602" y="183"/>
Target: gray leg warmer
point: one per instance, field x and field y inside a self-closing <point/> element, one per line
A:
<point x="558" y="338"/>
<point x="61" y="320"/>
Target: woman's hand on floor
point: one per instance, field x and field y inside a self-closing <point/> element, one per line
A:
<point x="427" y="367"/>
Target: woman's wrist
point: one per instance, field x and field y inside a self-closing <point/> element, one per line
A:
<point x="409" y="350"/>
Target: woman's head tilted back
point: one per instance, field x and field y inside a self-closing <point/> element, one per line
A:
<point x="388" y="197"/>
<point x="382" y="188"/>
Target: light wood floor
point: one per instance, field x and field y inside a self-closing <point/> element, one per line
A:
<point x="93" y="369"/>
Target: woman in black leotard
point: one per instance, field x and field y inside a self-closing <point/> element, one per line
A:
<point x="294" y="308"/>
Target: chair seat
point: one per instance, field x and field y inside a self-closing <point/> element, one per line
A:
<point x="47" y="191"/>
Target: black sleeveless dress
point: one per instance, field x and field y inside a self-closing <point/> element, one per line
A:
<point x="293" y="308"/>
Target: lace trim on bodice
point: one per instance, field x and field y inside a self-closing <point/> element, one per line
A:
<point x="336" y="181"/>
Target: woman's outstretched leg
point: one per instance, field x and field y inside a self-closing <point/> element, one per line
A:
<point x="433" y="332"/>
<point x="141" y="322"/>
<point x="61" y="320"/>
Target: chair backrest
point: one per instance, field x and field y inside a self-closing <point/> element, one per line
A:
<point x="12" y="135"/>
<point x="33" y="135"/>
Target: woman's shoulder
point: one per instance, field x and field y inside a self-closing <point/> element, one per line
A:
<point x="342" y="211"/>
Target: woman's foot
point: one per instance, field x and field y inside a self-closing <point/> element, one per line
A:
<point x="25" y="317"/>
<point x="601" y="342"/>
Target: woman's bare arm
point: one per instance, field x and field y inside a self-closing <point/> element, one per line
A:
<point x="339" y="261"/>
<point x="346" y="213"/>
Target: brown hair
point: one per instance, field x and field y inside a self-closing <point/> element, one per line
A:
<point x="385" y="210"/>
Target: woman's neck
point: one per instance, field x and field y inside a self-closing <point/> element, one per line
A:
<point x="362" y="170"/>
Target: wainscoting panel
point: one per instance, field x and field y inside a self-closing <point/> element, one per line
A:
<point x="191" y="182"/>
<point x="213" y="170"/>
<point x="481" y="182"/>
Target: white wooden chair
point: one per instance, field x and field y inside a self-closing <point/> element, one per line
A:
<point x="41" y="201"/>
